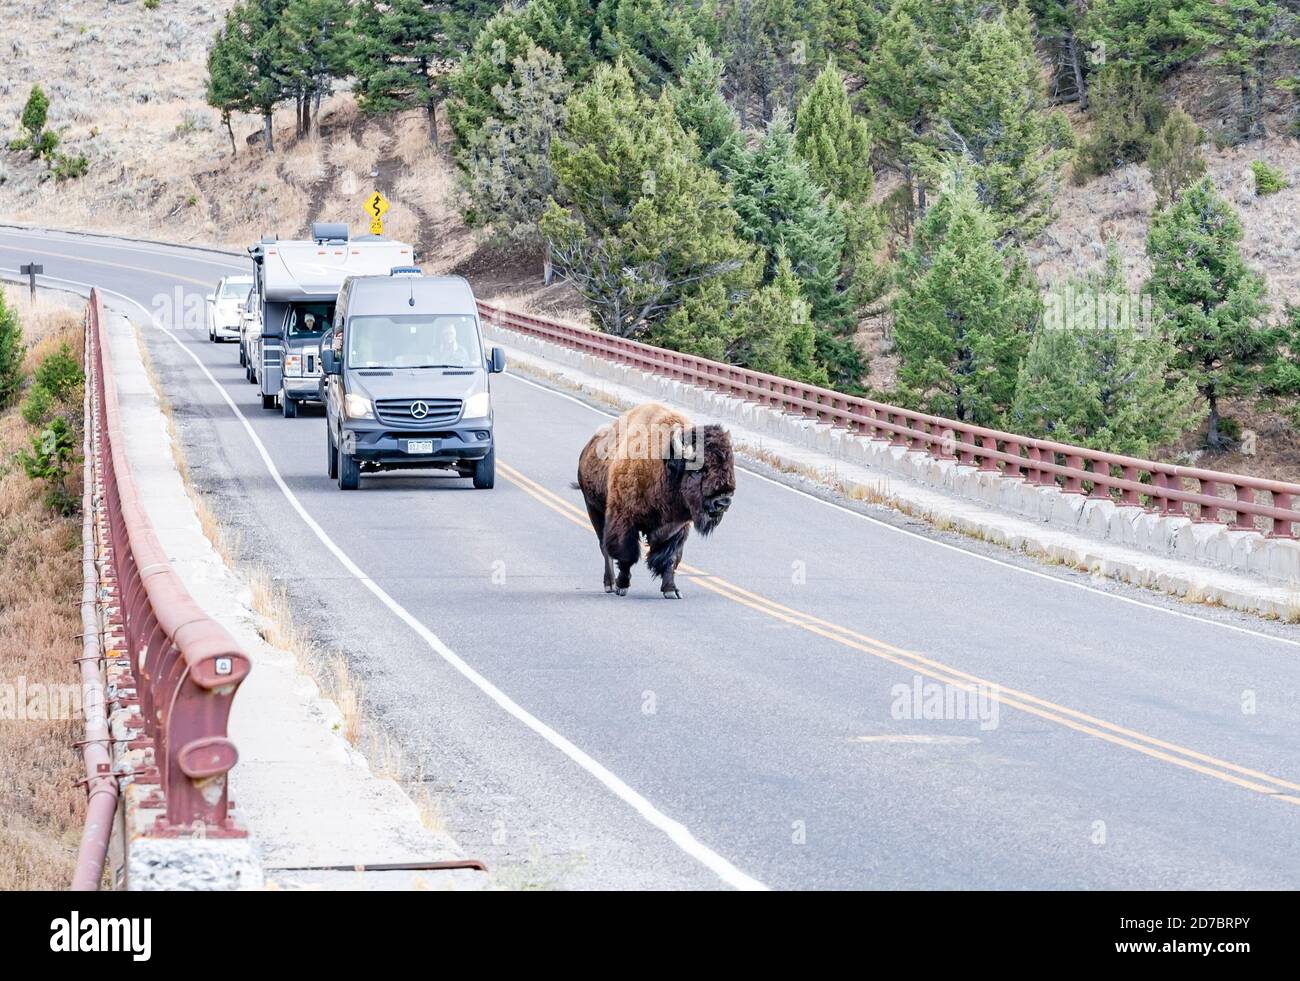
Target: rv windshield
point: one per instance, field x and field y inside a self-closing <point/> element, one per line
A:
<point x="310" y="319"/>
<point x="413" y="341"/>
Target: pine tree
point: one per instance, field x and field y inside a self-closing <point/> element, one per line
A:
<point x="703" y="111"/>
<point x="230" y="79"/>
<point x="1095" y="376"/>
<point x="1245" y="35"/>
<point x="1209" y="304"/>
<point x="401" y="48"/>
<point x="785" y="212"/>
<point x="654" y="38"/>
<point x="566" y="28"/>
<point x="645" y="223"/>
<point x="1060" y="27"/>
<point x="12" y="352"/>
<point x="992" y="120"/>
<point x="906" y="76"/>
<point x="1127" y="111"/>
<point x="772" y="49"/>
<point x="964" y="313"/>
<point x="35" y="112"/>
<point x="1156" y="36"/>
<point x="510" y="172"/>
<point x="317" y="40"/>
<point x="1175" y="157"/>
<point x="835" y="143"/>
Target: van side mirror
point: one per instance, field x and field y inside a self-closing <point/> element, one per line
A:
<point x="329" y="364"/>
<point x="497" y="364"/>
<point x="211" y="297"/>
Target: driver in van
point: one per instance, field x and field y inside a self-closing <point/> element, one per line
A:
<point x="453" y="350"/>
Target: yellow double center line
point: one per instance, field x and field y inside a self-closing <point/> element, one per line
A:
<point x="1160" y="749"/>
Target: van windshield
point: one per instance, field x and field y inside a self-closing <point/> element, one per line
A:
<point x="413" y="341"/>
<point x="234" y="289"/>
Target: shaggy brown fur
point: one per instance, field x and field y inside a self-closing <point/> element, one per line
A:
<point x="651" y="474"/>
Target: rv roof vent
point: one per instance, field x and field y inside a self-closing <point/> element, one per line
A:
<point x="329" y="231"/>
<point x="405" y="271"/>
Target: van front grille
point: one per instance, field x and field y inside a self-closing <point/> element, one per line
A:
<point x="417" y="413"/>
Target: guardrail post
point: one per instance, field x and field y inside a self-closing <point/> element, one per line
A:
<point x="1278" y="527"/>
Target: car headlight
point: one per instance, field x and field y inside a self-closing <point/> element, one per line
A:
<point x="478" y="406"/>
<point x="357" y="406"/>
<point x="293" y="364"/>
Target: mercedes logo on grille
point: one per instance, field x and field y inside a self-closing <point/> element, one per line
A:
<point x="419" y="410"/>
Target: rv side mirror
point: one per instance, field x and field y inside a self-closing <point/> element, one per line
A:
<point x="498" y="362"/>
<point x="328" y="362"/>
<point x="211" y="297"/>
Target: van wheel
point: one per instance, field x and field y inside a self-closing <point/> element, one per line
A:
<point x="268" y="401"/>
<point x="289" y="407"/>
<point x="485" y="471"/>
<point x="332" y="463"/>
<point x="349" y="471"/>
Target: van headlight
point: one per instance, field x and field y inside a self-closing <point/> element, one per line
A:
<point x="478" y="406"/>
<point x="357" y="407"/>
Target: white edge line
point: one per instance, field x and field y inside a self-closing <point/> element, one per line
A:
<point x="164" y="251"/>
<point x="677" y="832"/>
<point x="953" y="548"/>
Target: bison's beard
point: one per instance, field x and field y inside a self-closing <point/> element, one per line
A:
<point x="705" y="522"/>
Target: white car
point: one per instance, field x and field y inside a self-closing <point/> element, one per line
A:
<point x="250" y="335"/>
<point x="225" y="307"/>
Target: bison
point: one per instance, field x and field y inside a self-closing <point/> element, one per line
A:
<point x="651" y="474"/>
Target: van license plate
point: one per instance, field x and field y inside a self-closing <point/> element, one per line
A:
<point x="419" y="446"/>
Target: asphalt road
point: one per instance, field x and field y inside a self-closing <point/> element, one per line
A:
<point x="775" y="727"/>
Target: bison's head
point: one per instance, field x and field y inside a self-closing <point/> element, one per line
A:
<point x="701" y="459"/>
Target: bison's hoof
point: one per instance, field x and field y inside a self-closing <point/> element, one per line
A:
<point x="609" y="587"/>
<point x="621" y="590"/>
<point x="672" y="594"/>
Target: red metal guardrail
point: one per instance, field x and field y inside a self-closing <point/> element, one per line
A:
<point x="185" y="668"/>
<point x="1270" y="506"/>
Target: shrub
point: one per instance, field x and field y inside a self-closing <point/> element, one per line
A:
<point x="50" y="460"/>
<point x="36" y="407"/>
<point x="70" y="168"/>
<point x="60" y="374"/>
<point x="11" y="354"/>
<point x="1267" y="180"/>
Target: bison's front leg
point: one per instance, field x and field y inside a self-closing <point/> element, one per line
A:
<point x="624" y="547"/>
<point x="665" y="555"/>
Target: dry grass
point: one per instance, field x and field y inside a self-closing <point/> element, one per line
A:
<point x="41" y="806"/>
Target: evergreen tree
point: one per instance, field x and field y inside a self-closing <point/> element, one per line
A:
<point x="1156" y="36"/>
<point x="835" y="144"/>
<point x="964" y="313"/>
<point x="785" y="212"/>
<point x="654" y="38"/>
<point x="768" y="328"/>
<point x="565" y="28"/>
<point x="1245" y="35"/>
<point x="35" y="112"/>
<point x="397" y="54"/>
<point x="1210" y="305"/>
<point x="703" y="111"/>
<point x="12" y="352"/>
<point x="646" y="224"/>
<point x="317" y="42"/>
<point x="1126" y="112"/>
<point x="906" y="76"/>
<point x="510" y="172"/>
<point x="772" y="49"/>
<point x="1096" y="377"/>
<point x="1061" y="27"/>
<point x="992" y="120"/>
<point x="1175" y="157"/>
<point x="230" y="80"/>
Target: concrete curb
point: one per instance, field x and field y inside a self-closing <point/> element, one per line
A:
<point x="1206" y="563"/>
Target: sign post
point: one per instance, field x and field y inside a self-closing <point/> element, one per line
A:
<point x="31" y="270"/>
<point x="375" y="207"/>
